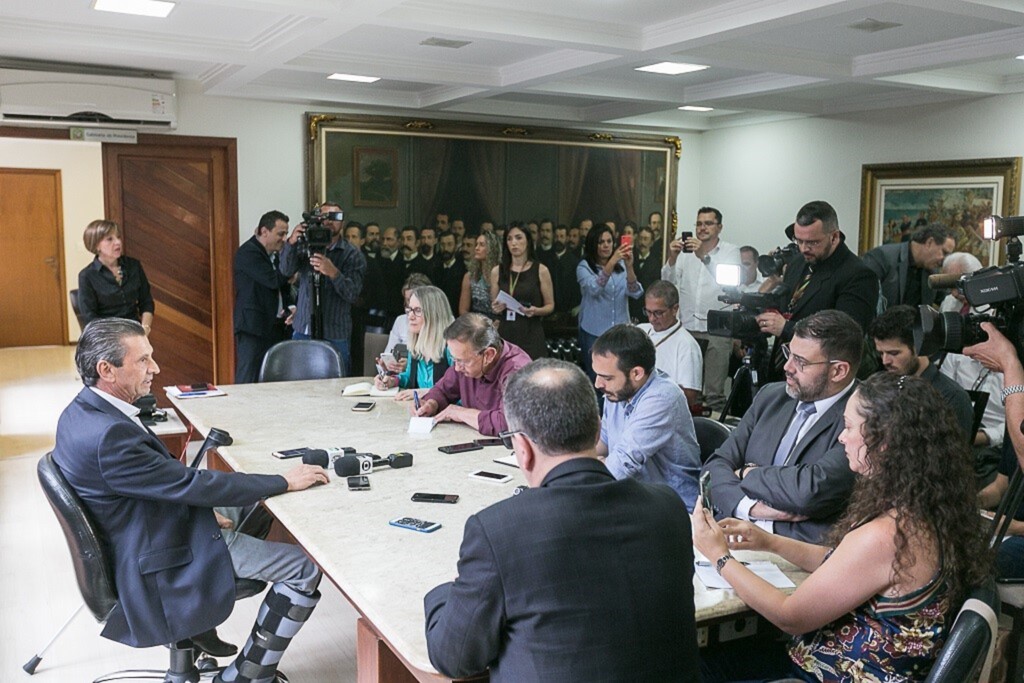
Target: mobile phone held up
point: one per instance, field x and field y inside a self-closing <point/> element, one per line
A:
<point x="685" y="236"/>
<point x="626" y="241"/>
<point x="414" y="524"/>
<point x="450" y="498"/>
<point x="705" y="491"/>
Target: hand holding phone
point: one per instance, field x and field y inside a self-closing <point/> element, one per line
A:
<point x="705" y="491"/>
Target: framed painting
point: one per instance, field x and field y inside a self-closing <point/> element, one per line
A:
<point x="896" y="199"/>
<point x="375" y="177"/>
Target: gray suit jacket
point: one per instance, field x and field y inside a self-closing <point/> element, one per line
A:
<point x="891" y="262"/>
<point x="816" y="481"/>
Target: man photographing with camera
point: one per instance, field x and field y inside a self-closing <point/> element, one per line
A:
<point x="337" y="269"/>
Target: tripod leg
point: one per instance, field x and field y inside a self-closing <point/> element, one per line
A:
<point x="30" y="666"/>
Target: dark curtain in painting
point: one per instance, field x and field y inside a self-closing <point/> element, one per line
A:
<point x="572" y="169"/>
<point x="432" y="161"/>
<point x="487" y="163"/>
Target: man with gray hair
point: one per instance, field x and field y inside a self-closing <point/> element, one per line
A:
<point x="581" y="577"/>
<point x="678" y="353"/>
<point x="903" y="268"/>
<point x="481" y="364"/>
<point x="173" y="567"/>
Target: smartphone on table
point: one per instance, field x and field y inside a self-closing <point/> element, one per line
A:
<point x="460" y="448"/>
<point x="491" y="477"/>
<point x="363" y="406"/>
<point x="415" y="524"/>
<point x="360" y="482"/>
<point x="450" y="498"/>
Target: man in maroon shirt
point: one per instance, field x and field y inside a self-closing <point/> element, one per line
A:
<point x="481" y="365"/>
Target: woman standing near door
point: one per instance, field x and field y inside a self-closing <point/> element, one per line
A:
<point x="113" y="285"/>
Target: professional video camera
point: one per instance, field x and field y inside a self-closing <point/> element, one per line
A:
<point x="997" y="290"/>
<point x="317" y="236"/>
<point x="774" y="262"/>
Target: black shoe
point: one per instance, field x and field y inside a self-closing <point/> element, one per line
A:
<point x="212" y="645"/>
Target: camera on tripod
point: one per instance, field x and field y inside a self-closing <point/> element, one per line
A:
<point x="317" y="236"/>
<point x="999" y="289"/>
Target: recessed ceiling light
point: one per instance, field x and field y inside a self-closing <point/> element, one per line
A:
<point x="671" y="68"/>
<point x="354" y="79"/>
<point x="1020" y="57"/>
<point x="690" y="107"/>
<point x="145" y="8"/>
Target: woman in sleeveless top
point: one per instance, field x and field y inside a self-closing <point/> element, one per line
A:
<point x="429" y="314"/>
<point x="879" y="604"/>
<point x="524" y="279"/>
<point x="476" y="283"/>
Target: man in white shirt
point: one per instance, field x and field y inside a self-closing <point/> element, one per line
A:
<point x="691" y="267"/>
<point x="750" y="278"/>
<point x="678" y="353"/>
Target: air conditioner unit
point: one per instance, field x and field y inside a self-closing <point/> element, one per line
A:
<point x="42" y="98"/>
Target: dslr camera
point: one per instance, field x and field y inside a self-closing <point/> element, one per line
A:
<point x="317" y="236"/>
<point x="997" y="292"/>
<point x="774" y="262"/>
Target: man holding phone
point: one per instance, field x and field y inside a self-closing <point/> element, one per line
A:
<point x="511" y="607"/>
<point x="692" y="261"/>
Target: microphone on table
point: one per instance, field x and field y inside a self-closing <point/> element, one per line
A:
<point x="323" y="457"/>
<point x="216" y="437"/>
<point x="364" y="463"/>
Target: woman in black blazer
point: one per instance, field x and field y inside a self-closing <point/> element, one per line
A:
<point x="113" y="285"/>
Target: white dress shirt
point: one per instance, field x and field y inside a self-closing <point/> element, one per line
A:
<point x="695" y="280"/>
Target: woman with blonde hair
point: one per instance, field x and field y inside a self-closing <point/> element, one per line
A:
<point x="113" y="285"/>
<point x="476" y="283"/>
<point x="429" y="315"/>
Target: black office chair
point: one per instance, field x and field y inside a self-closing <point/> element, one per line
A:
<point x="710" y="435"/>
<point x="971" y="642"/>
<point x="95" y="577"/>
<point x="298" y="359"/>
<point x="82" y="322"/>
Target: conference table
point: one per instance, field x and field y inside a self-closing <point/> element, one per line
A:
<point x="382" y="570"/>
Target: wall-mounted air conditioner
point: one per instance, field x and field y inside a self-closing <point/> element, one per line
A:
<point x="41" y="98"/>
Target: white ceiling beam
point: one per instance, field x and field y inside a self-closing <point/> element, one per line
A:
<point x="746" y="86"/>
<point x="978" y="48"/>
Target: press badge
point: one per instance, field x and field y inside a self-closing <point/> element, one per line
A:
<point x="510" y="315"/>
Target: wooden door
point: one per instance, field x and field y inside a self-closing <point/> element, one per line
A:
<point x="176" y="201"/>
<point x="33" y="309"/>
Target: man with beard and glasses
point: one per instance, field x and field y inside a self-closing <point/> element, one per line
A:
<point x="893" y="334"/>
<point x="451" y="271"/>
<point x="783" y="467"/>
<point x="646" y="430"/>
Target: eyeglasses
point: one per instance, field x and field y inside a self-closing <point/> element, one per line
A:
<point x="802" y="363"/>
<point x="655" y="314"/>
<point x="418" y="312"/>
<point x="459" y="363"/>
<point x="705" y="224"/>
<point x="810" y="244"/>
<point x="506" y="438"/>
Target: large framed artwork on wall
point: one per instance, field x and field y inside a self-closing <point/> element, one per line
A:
<point x="960" y="194"/>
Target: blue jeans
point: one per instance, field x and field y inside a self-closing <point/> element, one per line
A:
<point x="342" y="346"/>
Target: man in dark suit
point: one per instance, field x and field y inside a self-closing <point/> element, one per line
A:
<point x="451" y="270"/>
<point x="783" y="467"/>
<point x="826" y="275"/>
<point x="173" y="567"/>
<point x="578" y="578"/>
<point x="903" y="268"/>
<point x="261" y="296"/>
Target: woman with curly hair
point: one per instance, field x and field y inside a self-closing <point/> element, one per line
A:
<point x="476" y="283"/>
<point x="878" y="603"/>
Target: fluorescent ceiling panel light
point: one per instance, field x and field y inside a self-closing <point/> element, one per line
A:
<point x="693" y="108"/>
<point x="671" y="68"/>
<point x="354" y="79"/>
<point x="145" y="8"/>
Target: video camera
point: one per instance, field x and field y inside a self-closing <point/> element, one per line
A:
<point x="317" y="236"/>
<point x="741" y="322"/>
<point x="1000" y="289"/>
<point x="774" y="262"/>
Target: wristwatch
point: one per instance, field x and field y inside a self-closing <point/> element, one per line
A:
<point x="1012" y="389"/>
<point x="720" y="563"/>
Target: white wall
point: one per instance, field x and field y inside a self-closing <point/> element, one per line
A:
<point x="759" y="176"/>
<point x="81" y="174"/>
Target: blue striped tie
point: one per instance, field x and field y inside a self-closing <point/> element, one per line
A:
<point x="803" y="411"/>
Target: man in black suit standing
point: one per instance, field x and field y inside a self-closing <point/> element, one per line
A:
<point x="903" y="268"/>
<point x="261" y="296"/>
<point x="580" y="577"/>
<point x="451" y="270"/>
<point x="826" y="275"/>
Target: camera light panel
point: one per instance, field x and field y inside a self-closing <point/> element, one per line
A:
<point x="727" y="275"/>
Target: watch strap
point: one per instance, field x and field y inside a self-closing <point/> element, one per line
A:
<point x="1012" y="389"/>
<point x="720" y="563"/>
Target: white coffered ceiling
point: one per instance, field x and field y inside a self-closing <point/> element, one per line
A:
<point x="569" y="62"/>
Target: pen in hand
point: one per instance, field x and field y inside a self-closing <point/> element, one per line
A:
<point x="416" y="400"/>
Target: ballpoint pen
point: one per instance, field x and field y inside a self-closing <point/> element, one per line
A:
<point x="416" y="400"/>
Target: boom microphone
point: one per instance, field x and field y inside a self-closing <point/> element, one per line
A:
<point x="362" y="463"/>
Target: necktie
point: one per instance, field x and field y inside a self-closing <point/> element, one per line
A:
<point x="799" y="291"/>
<point x="803" y="411"/>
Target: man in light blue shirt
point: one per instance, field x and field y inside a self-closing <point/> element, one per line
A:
<point x="646" y="430"/>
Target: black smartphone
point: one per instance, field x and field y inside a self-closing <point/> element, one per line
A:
<point x="290" y="453"/>
<point x="705" y="491"/>
<point x="435" y="498"/>
<point x="460" y="448"/>
<point x="360" y="482"/>
<point x="685" y="236"/>
<point x="363" y="406"/>
<point x="488" y="442"/>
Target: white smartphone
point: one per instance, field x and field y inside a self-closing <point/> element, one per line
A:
<point x="387" y="358"/>
<point x="492" y="477"/>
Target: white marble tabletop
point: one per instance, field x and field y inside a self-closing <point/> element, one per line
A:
<point x="384" y="571"/>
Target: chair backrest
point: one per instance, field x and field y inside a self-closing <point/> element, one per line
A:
<point x="969" y="647"/>
<point x="710" y="435"/>
<point x="298" y="359"/>
<point x="73" y="294"/>
<point x="85" y="540"/>
<point x="373" y="346"/>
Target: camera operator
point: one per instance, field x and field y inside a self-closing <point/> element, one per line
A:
<point x="342" y="268"/>
<point x="827" y="275"/>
